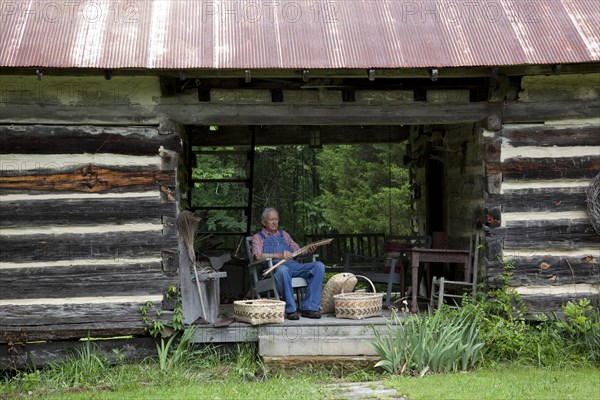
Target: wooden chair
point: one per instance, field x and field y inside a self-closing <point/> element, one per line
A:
<point x="374" y="268"/>
<point x="440" y="286"/>
<point x="266" y="285"/>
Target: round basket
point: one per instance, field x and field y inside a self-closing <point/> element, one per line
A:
<point x="258" y="312"/>
<point x="358" y="305"/>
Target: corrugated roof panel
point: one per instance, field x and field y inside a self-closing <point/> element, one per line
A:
<point x="297" y="34"/>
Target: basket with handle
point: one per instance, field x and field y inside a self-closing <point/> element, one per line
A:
<point x="358" y="305"/>
<point x="258" y="312"/>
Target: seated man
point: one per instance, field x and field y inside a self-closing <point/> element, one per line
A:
<point x="277" y="244"/>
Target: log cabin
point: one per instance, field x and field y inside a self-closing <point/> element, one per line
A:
<point x="102" y="104"/>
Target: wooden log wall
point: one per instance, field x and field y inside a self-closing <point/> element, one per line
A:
<point x="88" y="229"/>
<point x="537" y="175"/>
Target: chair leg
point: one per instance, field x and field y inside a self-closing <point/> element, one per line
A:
<point x="441" y="294"/>
<point x="432" y="295"/>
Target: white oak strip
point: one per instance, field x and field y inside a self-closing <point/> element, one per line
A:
<point x="83" y="300"/>
<point x="53" y="162"/>
<point x="525" y="252"/>
<point x="578" y="288"/>
<point x="507" y="186"/>
<point x="80" y="229"/>
<point x="75" y="196"/>
<point x="508" y="151"/>
<point x="537" y="216"/>
<point x="79" y="263"/>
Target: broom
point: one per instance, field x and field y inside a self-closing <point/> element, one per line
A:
<point x="188" y="226"/>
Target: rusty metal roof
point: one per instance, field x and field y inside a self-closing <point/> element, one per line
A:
<point x="297" y="33"/>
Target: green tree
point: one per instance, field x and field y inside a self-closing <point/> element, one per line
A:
<point x="365" y="188"/>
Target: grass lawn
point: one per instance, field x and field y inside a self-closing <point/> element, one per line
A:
<point x="509" y="383"/>
<point x="512" y="383"/>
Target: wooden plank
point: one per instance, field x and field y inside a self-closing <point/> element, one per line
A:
<point x="90" y="179"/>
<point x="65" y="282"/>
<point x="536" y="270"/>
<point x="536" y="200"/>
<point x="544" y="135"/>
<point x="97" y="246"/>
<point x="546" y="168"/>
<point x="515" y="112"/>
<point x="327" y="114"/>
<point x="547" y="235"/>
<point x="52" y="139"/>
<point x="65" y="212"/>
<point x="72" y="321"/>
<point x="37" y="355"/>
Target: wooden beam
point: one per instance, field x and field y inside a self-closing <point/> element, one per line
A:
<point x="328" y="114"/>
<point x="296" y="135"/>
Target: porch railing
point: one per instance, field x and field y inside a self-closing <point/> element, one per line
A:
<point x="332" y="255"/>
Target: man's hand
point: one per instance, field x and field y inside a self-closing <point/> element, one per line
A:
<point x="312" y="249"/>
<point x="287" y="255"/>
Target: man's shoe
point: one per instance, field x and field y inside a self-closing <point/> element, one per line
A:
<point x="293" y="316"/>
<point x="311" y="314"/>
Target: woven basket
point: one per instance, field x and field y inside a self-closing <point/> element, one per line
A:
<point x="358" y="305"/>
<point x="258" y="312"/>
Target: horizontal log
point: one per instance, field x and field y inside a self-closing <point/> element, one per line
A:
<point x="64" y="212"/>
<point x="551" y="303"/>
<point x="85" y="114"/>
<point x="73" y="321"/>
<point x="546" y="168"/>
<point x="297" y="114"/>
<point x="88" y="281"/>
<point x="52" y="139"/>
<point x="98" y="246"/>
<point x="548" y="270"/>
<point x="544" y="135"/>
<point x="89" y="179"/>
<point x="535" y="200"/>
<point x="546" y="235"/>
<point x="328" y="114"/>
<point x="515" y="111"/>
<point x="37" y="355"/>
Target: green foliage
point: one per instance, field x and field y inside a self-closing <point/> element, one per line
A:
<point x="581" y="326"/>
<point x="170" y="355"/>
<point x="442" y="342"/>
<point x="348" y="189"/>
<point x="363" y="187"/>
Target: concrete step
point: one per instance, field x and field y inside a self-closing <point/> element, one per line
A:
<point x="320" y="338"/>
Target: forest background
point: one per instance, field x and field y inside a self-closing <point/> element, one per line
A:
<point x="334" y="189"/>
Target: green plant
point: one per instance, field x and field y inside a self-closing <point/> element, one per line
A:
<point x="440" y="342"/>
<point x="82" y="367"/>
<point x="582" y="326"/>
<point x="169" y="356"/>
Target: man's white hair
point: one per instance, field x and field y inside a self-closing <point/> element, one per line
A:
<point x="263" y="216"/>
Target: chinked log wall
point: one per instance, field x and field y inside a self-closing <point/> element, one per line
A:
<point x="537" y="175"/>
<point x="87" y="229"/>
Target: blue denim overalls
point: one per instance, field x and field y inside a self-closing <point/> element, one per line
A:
<point x="313" y="272"/>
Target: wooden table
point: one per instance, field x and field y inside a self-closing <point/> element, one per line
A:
<point x="419" y="255"/>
